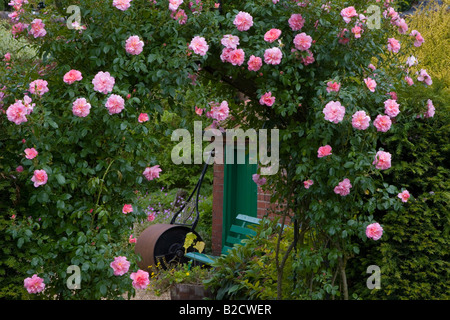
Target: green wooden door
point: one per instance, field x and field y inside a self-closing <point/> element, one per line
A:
<point x="240" y="193"/>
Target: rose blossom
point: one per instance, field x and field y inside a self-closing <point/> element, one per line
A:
<point x="382" y="123"/>
<point x="430" y="109"/>
<point x="219" y="111"/>
<point x="360" y="120"/>
<point x="391" y="108"/>
<point x="127" y="208"/>
<point x="382" y="160"/>
<point x="334" y="111"/>
<point x="419" y="38"/>
<point x="324" y="151"/>
<point x="131" y="239"/>
<point x="30" y="153"/>
<point x="121" y="4"/>
<point x="17" y="113"/>
<point x="236" y="57"/>
<point x="38" y="87"/>
<point x="393" y="45"/>
<point x="72" y="76"/>
<point x="267" y="99"/>
<point x="374" y="231"/>
<point x="371" y="84"/>
<point x="34" y="284"/>
<point x="180" y="16"/>
<point x="174" y="4"/>
<point x="81" y="107"/>
<point x="115" y="104"/>
<point x="199" y="111"/>
<point x="120" y="265"/>
<point x="199" y="46"/>
<point x="103" y="82"/>
<point x="134" y="45"/>
<point x="39" y="178"/>
<point x="151" y="173"/>
<point x="254" y="63"/>
<point x="348" y="13"/>
<point x="273" y="56"/>
<point x="343" y="188"/>
<point x="296" y="22"/>
<point x="333" y="86"/>
<point x="409" y="80"/>
<point x="308" y="183"/>
<point x="140" y="279"/>
<point x="424" y="76"/>
<point x="272" y="35"/>
<point x="230" y="41"/>
<point x="37" y="28"/>
<point x="357" y="30"/>
<point x="302" y="41"/>
<point x="143" y="117"/>
<point x="243" y="21"/>
<point x="404" y="195"/>
<point x="402" y="25"/>
<point x="258" y="179"/>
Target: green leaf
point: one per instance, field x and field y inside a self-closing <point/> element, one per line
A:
<point x="60" y="178"/>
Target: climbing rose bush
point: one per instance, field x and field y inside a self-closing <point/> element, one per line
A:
<point x="95" y="103"/>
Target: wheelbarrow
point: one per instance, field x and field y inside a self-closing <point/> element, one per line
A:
<point x="163" y="243"/>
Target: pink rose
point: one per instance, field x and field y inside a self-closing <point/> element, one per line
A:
<point x="393" y="45"/>
<point x="273" y="56"/>
<point x="219" y="111"/>
<point x="258" y="179"/>
<point x="418" y="37"/>
<point x="151" y="173"/>
<point x="302" y="41"/>
<point x="334" y="111"/>
<point x="357" y="30"/>
<point x="296" y="22"/>
<point x="72" y="76"/>
<point x="404" y="195"/>
<point x="343" y="188"/>
<point x="134" y="45"/>
<point x="81" y="107"/>
<point x="333" y="86"/>
<point x="371" y="84"/>
<point x="19" y="169"/>
<point x="382" y="160"/>
<point x="151" y="217"/>
<point x="272" y="35"/>
<point x="267" y="99"/>
<point x="243" y="21"/>
<point x="382" y="123"/>
<point x="360" y="120"/>
<point x="115" y="104"/>
<point x="37" y="28"/>
<point x="198" y="111"/>
<point x="121" y="4"/>
<point x="348" y="13"/>
<point x="39" y="178"/>
<point x="127" y="208"/>
<point x="374" y="231"/>
<point x="143" y="117"/>
<point x="103" y="82"/>
<point x="17" y="113"/>
<point x="254" y="63"/>
<point x="140" y="279"/>
<point x="423" y="76"/>
<point x="402" y="25"/>
<point x="120" y="265"/>
<point x="430" y="109"/>
<point x="199" y="46"/>
<point x="391" y="108"/>
<point x="34" y="284"/>
<point x="30" y="153"/>
<point x="308" y="183"/>
<point x="131" y="239"/>
<point x="324" y="151"/>
<point x="38" y="87"/>
<point x="309" y="58"/>
<point x="230" y="41"/>
<point x="236" y="57"/>
<point x="409" y="80"/>
<point x="174" y="4"/>
<point x="7" y="56"/>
